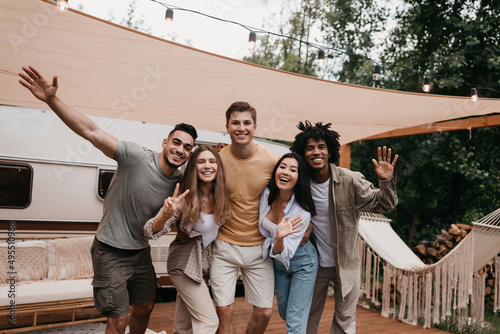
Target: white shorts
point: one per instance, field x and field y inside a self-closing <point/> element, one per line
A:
<point x="257" y="274"/>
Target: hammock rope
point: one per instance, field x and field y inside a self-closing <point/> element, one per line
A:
<point x="451" y="286"/>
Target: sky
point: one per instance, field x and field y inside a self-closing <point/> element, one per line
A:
<point x="189" y="28"/>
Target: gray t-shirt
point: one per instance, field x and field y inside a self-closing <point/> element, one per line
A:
<point x="136" y="193"/>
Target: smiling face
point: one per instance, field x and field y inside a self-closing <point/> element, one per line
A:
<point x="287" y="174"/>
<point x="177" y="148"/>
<point x="316" y="154"/>
<point x="206" y="166"/>
<point x="241" y="127"/>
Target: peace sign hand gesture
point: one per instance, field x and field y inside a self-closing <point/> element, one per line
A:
<point x="171" y="203"/>
<point x="383" y="167"/>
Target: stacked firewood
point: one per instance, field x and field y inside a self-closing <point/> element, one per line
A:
<point x="433" y="251"/>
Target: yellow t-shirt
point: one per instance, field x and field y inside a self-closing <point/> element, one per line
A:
<point x="246" y="180"/>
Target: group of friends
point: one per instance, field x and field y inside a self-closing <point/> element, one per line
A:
<point x="288" y="224"/>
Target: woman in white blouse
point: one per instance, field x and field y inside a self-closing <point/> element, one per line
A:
<point x="198" y="213"/>
<point x="285" y="212"/>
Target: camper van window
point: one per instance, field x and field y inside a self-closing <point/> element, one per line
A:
<point x="16" y="182"/>
<point x="105" y="176"/>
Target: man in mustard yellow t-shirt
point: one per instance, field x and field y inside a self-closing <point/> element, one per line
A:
<point x="248" y="167"/>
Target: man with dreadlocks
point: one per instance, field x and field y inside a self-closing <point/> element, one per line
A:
<point x="340" y="195"/>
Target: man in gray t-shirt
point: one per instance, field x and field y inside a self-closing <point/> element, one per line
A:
<point x="123" y="270"/>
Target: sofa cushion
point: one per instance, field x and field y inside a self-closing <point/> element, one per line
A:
<point x="69" y="258"/>
<point x="48" y="291"/>
<point x="28" y="261"/>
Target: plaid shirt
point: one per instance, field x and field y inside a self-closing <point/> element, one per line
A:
<point x="185" y="254"/>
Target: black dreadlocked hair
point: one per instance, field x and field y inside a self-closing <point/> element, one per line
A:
<point x="317" y="132"/>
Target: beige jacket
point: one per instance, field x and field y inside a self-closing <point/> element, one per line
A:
<point x="350" y="193"/>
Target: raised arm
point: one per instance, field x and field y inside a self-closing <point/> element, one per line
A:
<point x="76" y="121"/>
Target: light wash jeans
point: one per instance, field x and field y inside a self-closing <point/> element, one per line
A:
<point x="294" y="287"/>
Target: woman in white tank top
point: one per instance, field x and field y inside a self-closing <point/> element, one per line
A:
<point x="198" y="213"/>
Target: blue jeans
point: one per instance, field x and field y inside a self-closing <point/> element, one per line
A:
<point x="294" y="287"/>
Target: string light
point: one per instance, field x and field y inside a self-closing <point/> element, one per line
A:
<point x="252" y="41"/>
<point x="62" y="5"/>
<point x="169" y="16"/>
<point x="321" y="58"/>
<point x="427" y="85"/>
<point x="252" y="46"/>
<point x="376" y="73"/>
<point x="473" y="94"/>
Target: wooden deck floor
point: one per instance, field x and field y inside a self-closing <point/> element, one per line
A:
<point x="368" y="321"/>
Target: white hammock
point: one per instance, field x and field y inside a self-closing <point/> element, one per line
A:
<point x="434" y="292"/>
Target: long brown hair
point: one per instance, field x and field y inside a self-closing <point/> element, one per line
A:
<point x="192" y="203"/>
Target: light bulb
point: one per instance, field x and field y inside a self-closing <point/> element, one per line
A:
<point x="473" y="94"/>
<point x="252" y="41"/>
<point x="62" y="5"/>
<point x="321" y="58"/>
<point x="169" y="17"/>
<point x="376" y="73"/>
<point x="427" y="85"/>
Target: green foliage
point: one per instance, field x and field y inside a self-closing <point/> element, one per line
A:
<point x="451" y="41"/>
<point x="352" y="26"/>
<point x="442" y="178"/>
<point x="286" y="54"/>
<point x="491" y="325"/>
<point x="130" y="20"/>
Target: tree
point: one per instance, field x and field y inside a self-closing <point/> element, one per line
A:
<point x="442" y="178"/>
<point x="287" y="54"/>
<point x="353" y="26"/>
<point x="450" y="41"/>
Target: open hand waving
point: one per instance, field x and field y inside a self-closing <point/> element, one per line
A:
<point x="288" y="226"/>
<point x="37" y="85"/>
<point x="383" y="167"/>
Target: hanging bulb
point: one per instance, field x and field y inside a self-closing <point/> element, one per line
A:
<point x="376" y="73"/>
<point x="427" y="85"/>
<point x="169" y="17"/>
<point x="62" y="5"/>
<point x="473" y="94"/>
<point x="321" y="58"/>
<point x="252" y="41"/>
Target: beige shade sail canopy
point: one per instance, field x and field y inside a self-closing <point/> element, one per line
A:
<point x="108" y="70"/>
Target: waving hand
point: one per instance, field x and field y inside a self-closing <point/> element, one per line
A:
<point x="383" y="167"/>
<point x="37" y="84"/>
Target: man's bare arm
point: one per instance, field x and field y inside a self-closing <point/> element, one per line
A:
<point x="76" y="121"/>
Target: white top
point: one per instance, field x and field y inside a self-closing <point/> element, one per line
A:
<point x="291" y="242"/>
<point x="207" y="227"/>
<point x="269" y="225"/>
<point x="321" y="224"/>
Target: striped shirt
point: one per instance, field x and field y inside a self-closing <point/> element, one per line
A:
<point x="291" y="242"/>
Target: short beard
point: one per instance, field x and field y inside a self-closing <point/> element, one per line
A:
<point x="170" y="164"/>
